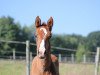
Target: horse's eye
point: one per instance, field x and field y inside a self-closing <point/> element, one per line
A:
<point x="35" y="36"/>
<point x="51" y="35"/>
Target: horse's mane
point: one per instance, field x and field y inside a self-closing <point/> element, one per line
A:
<point x="43" y="24"/>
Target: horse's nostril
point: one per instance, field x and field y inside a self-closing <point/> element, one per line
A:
<point x="40" y="52"/>
<point x="42" y="57"/>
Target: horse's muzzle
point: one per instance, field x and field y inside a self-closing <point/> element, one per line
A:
<point x="41" y="55"/>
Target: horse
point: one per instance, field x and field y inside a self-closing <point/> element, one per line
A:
<point x="44" y="63"/>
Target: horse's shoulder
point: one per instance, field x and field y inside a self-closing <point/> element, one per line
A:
<point x="54" y="58"/>
<point x="34" y="60"/>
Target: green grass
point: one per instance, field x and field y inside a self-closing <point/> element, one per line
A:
<point x="12" y="67"/>
<point x="77" y="69"/>
<point x="9" y="67"/>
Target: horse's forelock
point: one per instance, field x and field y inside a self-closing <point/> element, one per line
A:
<point x="43" y="24"/>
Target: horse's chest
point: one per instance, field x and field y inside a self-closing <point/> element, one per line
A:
<point x="42" y="73"/>
<point x="37" y="68"/>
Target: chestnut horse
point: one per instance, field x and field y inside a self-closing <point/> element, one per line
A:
<point x="44" y="63"/>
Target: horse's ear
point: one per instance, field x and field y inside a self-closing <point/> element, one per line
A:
<point x="50" y="23"/>
<point x="37" y="21"/>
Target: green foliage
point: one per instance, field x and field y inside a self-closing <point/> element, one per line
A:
<point x="80" y="52"/>
<point x="93" y="40"/>
<point x="6" y="28"/>
<point x="7" y="32"/>
<point x="67" y="41"/>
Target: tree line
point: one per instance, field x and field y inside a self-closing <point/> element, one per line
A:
<point x="11" y="30"/>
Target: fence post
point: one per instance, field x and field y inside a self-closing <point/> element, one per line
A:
<point x="97" y="61"/>
<point x="14" y="56"/>
<point x="72" y="58"/>
<point x="27" y="58"/>
<point x="84" y="58"/>
<point x="59" y="57"/>
<point x="31" y="56"/>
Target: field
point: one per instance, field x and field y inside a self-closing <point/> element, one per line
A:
<point x="77" y="69"/>
<point x="12" y="67"/>
<point x="9" y="67"/>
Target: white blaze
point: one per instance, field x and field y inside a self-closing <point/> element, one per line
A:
<point x="42" y="44"/>
<point x="44" y="30"/>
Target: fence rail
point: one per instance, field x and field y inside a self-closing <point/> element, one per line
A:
<point x="62" y="57"/>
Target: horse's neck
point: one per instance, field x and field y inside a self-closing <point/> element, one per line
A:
<point x="44" y="64"/>
<point x="48" y="56"/>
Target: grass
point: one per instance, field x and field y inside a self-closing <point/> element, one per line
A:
<point x="12" y="67"/>
<point x="8" y="67"/>
<point x="77" y="69"/>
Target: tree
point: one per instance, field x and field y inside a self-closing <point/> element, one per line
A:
<point x="80" y="52"/>
<point x="11" y="31"/>
<point x="8" y="31"/>
<point x="93" y="41"/>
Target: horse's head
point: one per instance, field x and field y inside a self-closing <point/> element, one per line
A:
<point x="43" y="34"/>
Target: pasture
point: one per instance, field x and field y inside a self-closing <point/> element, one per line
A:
<point x="17" y="67"/>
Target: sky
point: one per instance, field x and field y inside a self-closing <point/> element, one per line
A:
<point x="70" y="16"/>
